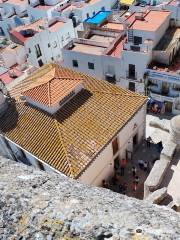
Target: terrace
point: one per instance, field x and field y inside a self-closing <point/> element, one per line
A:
<point x="150" y="21"/>
<point x="114" y="26"/>
<point x="88" y="48"/>
<point x="169" y="40"/>
<point x="55" y="26"/>
<point x="101" y="38"/>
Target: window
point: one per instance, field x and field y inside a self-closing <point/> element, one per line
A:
<point x="52" y="58"/>
<point x="29" y="50"/>
<point x="38" y="51"/>
<point x="87" y="15"/>
<point x="137" y="40"/>
<point x="132" y="86"/>
<point x="75" y="63"/>
<point x="115" y="146"/>
<point x="90" y="65"/>
<point x="40" y="62"/>
<point x="49" y="45"/>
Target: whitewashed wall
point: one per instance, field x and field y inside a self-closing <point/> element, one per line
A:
<point x="61" y="37"/>
<point x="103" y="166"/>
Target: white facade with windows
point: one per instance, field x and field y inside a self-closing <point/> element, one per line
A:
<point x="46" y="45"/>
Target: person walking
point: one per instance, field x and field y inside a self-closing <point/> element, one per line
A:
<point x="145" y="166"/>
<point x="134" y="186"/>
<point x="122" y="166"/>
<point x="136" y="179"/>
<point x="134" y="170"/>
<point x="148" y="141"/>
<point x="141" y="164"/>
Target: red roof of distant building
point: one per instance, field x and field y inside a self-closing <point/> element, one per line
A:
<point x="17" y="35"/>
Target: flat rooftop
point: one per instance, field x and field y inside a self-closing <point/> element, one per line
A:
<point x="100" y="38"/>
<point x="114" y="26"/>
<point x="98" y="17"/>
<point x="34" y="26"/>
<point x="173" y="68"/>
<point x="171" y="37"/>
<point x="43" y="7"/>
<point x="87" y="48"/>
<point x="55" y="26"/>
<point x="7" y="78"/>
<point x="15" y="2"/>
<point x="152" y="21"/>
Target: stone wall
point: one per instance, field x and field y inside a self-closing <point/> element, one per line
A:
<point x="42" y="205"/>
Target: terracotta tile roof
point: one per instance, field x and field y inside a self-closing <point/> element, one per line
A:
<point x="72" y="138"/>
<point x="51" y="87"/>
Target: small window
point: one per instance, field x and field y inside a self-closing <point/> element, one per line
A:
<point x="137" y="40"/>
<point x="38" y="51"/>
<point x="75" y="63"/>
<point x="90" y="65"/>
<point x="49" y="45"/>
<point x="40" y="62"/>
<point x="29" y="50"/>
<point x="52" y="58"/>
<point x="115" y="146"/>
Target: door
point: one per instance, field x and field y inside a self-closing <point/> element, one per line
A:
<point x="40" y="62"/>
<point x="132" y="71"/>
<point x="135" y="140"/>
<point x="165" y="88"/>
<point x="132" y="86"/>
<point x="168" y="107"/>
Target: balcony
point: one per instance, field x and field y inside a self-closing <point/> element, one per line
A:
<point x="163" y="76"/>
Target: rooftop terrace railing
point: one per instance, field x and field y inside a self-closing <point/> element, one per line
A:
<point x="153" y="74"/>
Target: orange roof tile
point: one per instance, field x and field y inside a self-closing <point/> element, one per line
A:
<point x="52" y="87"/>
<point x="72" y="138"/>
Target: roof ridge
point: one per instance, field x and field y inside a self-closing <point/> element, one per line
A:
<point x="119" y="93"/>
<point x="49" y="95"/>
<point x="62" y="143"/>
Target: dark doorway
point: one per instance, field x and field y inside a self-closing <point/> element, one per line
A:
<point x="135" y="140"/>
<point x="132" y="68"/>
<point x="116" y="163"/>
<point x="115" y="146"/>
<point x="132" y="86"/>
<point x="168" y="107"/>
<point x="40" y="62"/>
